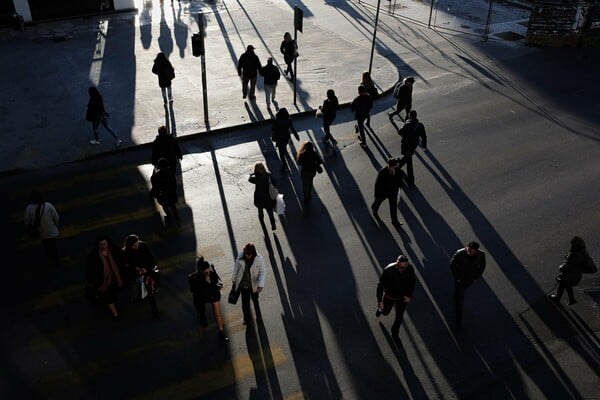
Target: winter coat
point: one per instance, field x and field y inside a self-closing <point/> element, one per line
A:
<point x="166" y="146"/>
<point x="570" y="270"/>
<point x="49" y="220"/>
<point x="361" y="106"/>
<point x="203" y="291"/>
<point x="281" y="132"/>
<point x="289" y="50"/>
<point x="248" y="65"/>
<point x="404" y="99"/>
<point x="165" y="72"/>
<point x="258" y="271"/>
<point x="271" y="74"/>
<point x="164" y="187"/>
<point x="388" y="184"/>
<point x="396" y="284"/>
<point x="467" y="268"/>
<point x="329" y="109"/>
<point x="411" y="132"/>
<point x="95" y="273"/>
<point x="310" y="163"/>
<point x="133" y="260"/>
<point x="95" y="109"/>
<point x="262" y="197"/>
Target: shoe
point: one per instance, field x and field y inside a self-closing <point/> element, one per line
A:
<point x="554" y="298"/>
<point x="396" y="223"/>
<point x="571" y="302"/>
<point x="119" y="141"/>
<point x="378" y="313"/>
<point x="223" y="336"/>
<point x="391" y="117"/>
<point x="94" y="141"/>
<point x="355" y="128"/>
<point x="244" y="96"/>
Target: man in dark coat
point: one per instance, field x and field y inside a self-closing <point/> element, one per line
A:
<point x="165" y="146"/>
<point x="403" y="94"/>
<point x="361" y="107"/>
<point x="467" y="266"/>
<point x="396" y="287"/>
<point x="411" y="133"/>
<point x="271" y="76"/>
<point x="248" y="67"/>
<point x="387" y="185"/>
<point x="164" y="190"/>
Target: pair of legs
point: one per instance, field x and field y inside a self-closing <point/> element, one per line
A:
<point x="393" y="200"/>
<point x="282" y="155"/>
<point x="104" y="122"/>
<point x="399" y="107"/>
<point x="270" y="91"/>
<point x="400" y="308"/>
<point x="407" y="159"/>
<point x="459" y="300"/>
<point x="51" y="250"/>
<point x="261" y="215"/>
<point x="307" y="187"/>
<point x="360" y="123"/>
<point x="562" y="287"/>
<point x="167" y="94"/>
<point x="290" y="70"/>
<point x="246" y="295"/>
<point x="327" y="128"/>
<point x="216" y="309"/>
<point x="245" y="92"/>
<point x="171" y="213"/>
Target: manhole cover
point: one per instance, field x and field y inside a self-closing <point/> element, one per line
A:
<point x="509" y="35"/>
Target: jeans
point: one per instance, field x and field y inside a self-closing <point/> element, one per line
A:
<point x="270" y="91"/>
<point x="167" y="94"/>
<point x="459" y="300"/>
<point x="407" y="159"/>
<point x="361" y="128"/>
<point x="388" y="303"/>
<point x="246" y="295"/>
<point x="282" y="154"/>
<point x="245" y="82"/>
<point x="104" y="122"/>
<point x="326" y="128"/>
<point x="392" y="199"/>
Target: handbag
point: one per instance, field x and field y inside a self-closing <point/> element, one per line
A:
<point x="234" y="295"/>
<point x="273" y="191"/>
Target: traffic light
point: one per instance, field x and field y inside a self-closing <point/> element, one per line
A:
<point x="197" y="45"/>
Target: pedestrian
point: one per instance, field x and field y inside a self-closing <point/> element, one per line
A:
<point x="412" y="132"/>
<point x="139" y="265"/>
<point x="467" y="266"/>
<point x="205" y="285"/>
<point x="369" y="84"/>
<point x="310" y="164"/>
<point x="328" y="111"/>
<point x="165" y="146"/>
<point x="96" y="114"/>
<point x="396" y="286"/>
<point x="42" y="221"/>
<point x="271" y="75"/>
<point x="289" y="49"/>
<point x="166" y="73"/>
<point x="164" y="190"/>
<point x="103" y="271"/>
<point x="570" y="271"/>
<point x="262" y="195"/>
<point x="361" y="107"/>
<point x="387" y="186"/>
<point x="403" y="94"/>
<point x="281" y="133"/>
<point x="248" y="67"/>
<point x="249" y="275"/>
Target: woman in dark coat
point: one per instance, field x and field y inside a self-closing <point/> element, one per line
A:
<point x="97" y="115"/>
<point x="329" y="109"/>
<point x="205" y="286"/>
<point x="164" y="190"/>
<point x="262" y="195"/>
<point x="103" y="270"/>
<point x="166" y="73"/>
<point x="282" y="128"/>
<point x="139" y="262"/>
<point x="570" y="271"/>
<point x="310" y="163"/>
<point x="289" y="49"/>
<point x="165" y="146"/>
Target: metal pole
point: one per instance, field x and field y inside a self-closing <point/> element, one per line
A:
<point x="430" y="14"/>
<point x="203" y="65"/>
<point x="487" y="22"/>
<point x="374" y="36"/>
<point x="295" y="63"/>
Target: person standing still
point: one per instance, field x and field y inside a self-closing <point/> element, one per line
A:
<point x="467" y="266"/>
<point x="387" y="186"/>
<point x="310" y="164"/>
<point x="361" y="107"/>
<point x="412" y="132"/>
<point x="403" y="94"/>
<point x="289" y="49"/>
<point x="249" y="276"/>
<point x="165" y="146"/>
<point x="329" y="110"/>
<point x="43" y="218"/>
<point x="248" y="67"/>
<point x="395" y="288"/>
<point x="281" y="134"/>
<point x="271" y="75"/>
<point x="262" y="196"/>
<point x="96" y="114"/>
<point x="166" y="73"/>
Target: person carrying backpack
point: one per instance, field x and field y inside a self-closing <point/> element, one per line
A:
<point x="403" y="95"/>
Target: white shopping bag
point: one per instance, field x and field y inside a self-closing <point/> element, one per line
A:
<point x="280" y="205"/>
<point x="143" y="287"/>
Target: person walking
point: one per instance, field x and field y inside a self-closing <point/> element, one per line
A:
<point x="387" y="185"/>
<point x="412" y="132"/>
<point x="328" y="111"/>
<point x="271" y="75"/>
<point x="403" y="94"/>
<point x="570" y="271"/>
<point x="361" y="107"/>
<point x="96" y="114"/>
<point x="262" y="196"/>
<point x="281" y="132"/>
<point x="165" y="146"/>
<point x="310" y="163"/>
<point x="103" y="272"/>
<point x="42" y="220"/>
<point x="369" y="84"/>
<point x="467" y="266"/>
<point x="139" y="265"/>
<point x="205" y="285"/>
<point x="248" y="67"/>
<point x="289" y="49"/>
<point x="166" y="73"/>
<point x="395" y="288"/>
<point x="164" y="190"/>
<point x="249" y="276"/>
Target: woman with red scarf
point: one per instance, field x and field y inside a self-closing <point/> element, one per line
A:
<point x="104" y="265"/>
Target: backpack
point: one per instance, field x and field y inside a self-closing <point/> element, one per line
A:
<point x="589" y="266"/>
<point x="397" y="89"/>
